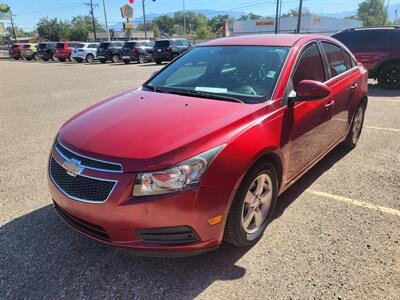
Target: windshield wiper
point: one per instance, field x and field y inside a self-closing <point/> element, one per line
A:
<point x="204" y="95"/>
<point x="154" y="88"/>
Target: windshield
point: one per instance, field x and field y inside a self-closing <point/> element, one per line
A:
<point x="104" y="45"/>
<point x="246" y="73"/>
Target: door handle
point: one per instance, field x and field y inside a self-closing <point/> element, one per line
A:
<point x="353" y="87"/>
<point x="330" y="104"/>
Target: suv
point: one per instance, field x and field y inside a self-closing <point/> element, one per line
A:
<point x="45" y="51"/>
<point x="29" y="51"/>
<point x="87" y="52"/>
<point x="140" y="51"/>
<point x="110" y="51"/>
<point x="15" y="51"/>
<point x="377" y="50"/>
<point x="64" y="49"/>
<point x="167" y="50"/>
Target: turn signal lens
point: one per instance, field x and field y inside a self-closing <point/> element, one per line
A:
<point x="215" y="220"/>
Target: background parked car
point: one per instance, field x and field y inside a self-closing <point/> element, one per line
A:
<point x="167" y="50"/>
<point x="87" y="52"/>
<point x="110" y="51"/>
<point x="378" y="49"/>
<point x="29" y="51"/>
<point x="64" y="49"/>
<point x="45" y="51"/>
<point x="15" y="51"/>
<point x="140" y="51"/>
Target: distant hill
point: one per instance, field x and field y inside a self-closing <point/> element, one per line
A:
<point x="209" y="13"/>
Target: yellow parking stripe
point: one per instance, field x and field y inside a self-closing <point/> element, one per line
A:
<point x="384" y="209"/>
<point x="383" y="128"/>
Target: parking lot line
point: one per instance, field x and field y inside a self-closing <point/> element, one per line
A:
<point x="384" y="100"/>
<point x="384" y="209"/>
<point x="383" y="128"/>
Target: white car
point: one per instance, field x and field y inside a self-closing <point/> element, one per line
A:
<point x="88" y="52"/>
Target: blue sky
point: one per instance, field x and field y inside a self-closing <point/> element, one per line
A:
<point x="28" y="12"/>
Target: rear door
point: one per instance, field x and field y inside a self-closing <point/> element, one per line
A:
<point x="343" y="82"/>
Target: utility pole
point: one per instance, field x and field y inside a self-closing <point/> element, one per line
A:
<point x="144" y="20"/>
<point x="91" y="11"/>
<point x="184" y="19"/>
<point x="280" y="14"/>
<point x="395" y="15"/>
<point x="277" y="16"/>
<point x="299" y="17"/>
<point x="13" y="28"/>
<point x="386" y="13"/>
<point x="105" y="18"/>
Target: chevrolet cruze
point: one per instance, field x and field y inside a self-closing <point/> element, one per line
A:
<point x="200" y="153"/>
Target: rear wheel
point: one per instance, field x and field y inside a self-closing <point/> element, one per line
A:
<point x="126" y="61"/>
<point x="253" y="206"/>
<point x="53" y="58"/>
<point x="389" y="77"/>
<point x="103" y="61"/>
<point x="90" y="58"/>
<point x="140" y="59"/>
<point x="356" y="127"/>
<point x="158" y="62"/>
<point x="115" y="58"/>
<point x="16" y="58"/>
<point x="61" y="59"/>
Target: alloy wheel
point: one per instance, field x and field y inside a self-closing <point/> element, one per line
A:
<point x="357" y="125"/>
<point x="257" y="203"/>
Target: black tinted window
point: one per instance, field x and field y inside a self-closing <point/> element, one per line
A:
<point x="27" y="46"/>
<point x="104" y="45"/>
<point x="60" y="46"/>
<point x="310" y="66"/>
<point x="162" y="44"/>
<point x="335" y="57"/>
<point x="369" y="40"/>
<point x="129" y="44"/>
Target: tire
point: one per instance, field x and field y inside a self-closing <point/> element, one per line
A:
<point x="103" y="61"/>
<point x="35" y="57"/>
<point x="389" y="77"/>
<point x="356" y="128"/>
<point x="141" y="59"/>
<point x="70" y="58"/>
<point x="158" y="62"/>
<point x="89" y="58"/>
<point x="115" y="59"/>
<point x="236" y="231"/>
<point x="126" y="62"/>
<point x="28" y="59"/>
<point x="16" y="58"/>
<point x="61" y="59"/>
<point x="53" y="58"/>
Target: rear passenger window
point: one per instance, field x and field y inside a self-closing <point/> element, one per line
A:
<point x="310" y="66"/>
<point x="348" y="60"/>
<point x="336" y="62"/>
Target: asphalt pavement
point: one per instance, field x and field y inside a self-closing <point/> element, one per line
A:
<point x="336" y="232"/>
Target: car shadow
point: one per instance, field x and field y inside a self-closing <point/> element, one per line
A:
<point x="42" y="258"/>
<point x="375" y="91"/>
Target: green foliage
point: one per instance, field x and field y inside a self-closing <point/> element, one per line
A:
<point x="250" y="16"/>
<point x="19" y="31"/>
<point x="216" y="23"/>
<point x="295" y="13"/>
<point x="75" y="30"/>
<point x="372" y="12"/>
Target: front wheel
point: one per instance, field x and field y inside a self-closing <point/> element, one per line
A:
<point x="356" y="127"/>
<point x="140" y="59"/>
<point x="253" y="206"/>
<point x="389" y="77"/>
<point x="89" y="58"/>
<point x="158" y="62"/>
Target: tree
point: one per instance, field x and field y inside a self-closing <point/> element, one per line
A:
<point x="18" y="31"/>
<point x="203" y="33"/>
<point x="164" y="23"/>
<point x="372" y="12"/>
<point x="81" y="26"/>
<point x="295" y="13"/>
<point x="216" y="23"/>
<point x="151" y="26"/>
<point x="250" y="16"/>
<point x="53" y="29"/>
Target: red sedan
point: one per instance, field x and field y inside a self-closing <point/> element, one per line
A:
<point x="200" y="153"/>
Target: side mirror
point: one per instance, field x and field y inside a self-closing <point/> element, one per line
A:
<point x="308" y="90"/>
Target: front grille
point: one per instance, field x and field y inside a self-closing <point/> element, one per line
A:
<point x="80" y="187"/>
<point x="88" y="162"/>
<point x="168" y="235"/>
<point x="81" y="225"/>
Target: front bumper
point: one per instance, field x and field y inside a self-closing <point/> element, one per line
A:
<point x="120" y="220"/>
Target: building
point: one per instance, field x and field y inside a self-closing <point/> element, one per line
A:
<point x="309" y="24"/>
<point x="120" y="35"/>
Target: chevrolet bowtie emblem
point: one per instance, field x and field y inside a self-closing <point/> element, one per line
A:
<point x="73" y="167"/>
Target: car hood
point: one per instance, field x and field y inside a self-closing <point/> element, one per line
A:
<point x="147" y="130"/>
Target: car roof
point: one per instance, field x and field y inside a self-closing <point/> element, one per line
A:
<point x="285" y="40"/>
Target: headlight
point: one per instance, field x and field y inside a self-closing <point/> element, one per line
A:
<point x="183" y="176"/>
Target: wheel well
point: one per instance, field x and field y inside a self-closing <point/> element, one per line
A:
<point x="387" y="63"/>
<point x="276" y="161"/>
<point x="364" y="100"/>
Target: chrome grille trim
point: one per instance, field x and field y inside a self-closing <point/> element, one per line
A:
<point x="90" y="158"/>
<point x="52" y="158"/>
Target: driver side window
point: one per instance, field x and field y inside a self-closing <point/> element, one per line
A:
<point x="310" y="66"/>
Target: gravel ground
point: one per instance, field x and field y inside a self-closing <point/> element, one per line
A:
<point x="336" y="233"/>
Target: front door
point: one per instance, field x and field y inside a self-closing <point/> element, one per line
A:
<point x="308" y="132"/>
